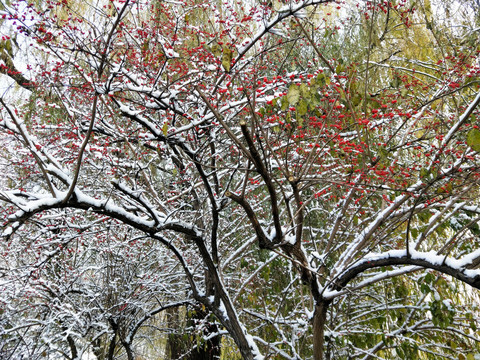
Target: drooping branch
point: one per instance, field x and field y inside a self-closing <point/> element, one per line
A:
<point x="29" y="143"/>
<point x="283" y="13"/>
<point x="135" y="327"/>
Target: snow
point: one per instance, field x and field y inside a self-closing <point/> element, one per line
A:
<point x="240" y="251"/>
<point x="222" y="309"/>
<point x="254" y="347"/>
<point x="290" y="239"/>
<point x="431" y="259"/>
<point x="33" y="206"/>
<point x="243" y="45"/>
<point x="367" y="232"/>
<point x="461" y="120"/>
<point x="278" y="32"/>
<point x="310" y="314"/>
<point x="284" y="12"/>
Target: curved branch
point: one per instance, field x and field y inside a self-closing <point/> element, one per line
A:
<point x="453" y="267"/>
<point x="31" y="146"/>
<point x="138" y="324"/>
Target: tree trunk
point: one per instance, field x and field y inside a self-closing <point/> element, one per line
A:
<point x="128" y="350"/>
<point x="319" y="321"/>
<point x="111" y="348"/>
<point x="209" y="350"/>
<point x="181" y="346"/>
<point x="73" y="347"/>
<point x="177" y="340"/>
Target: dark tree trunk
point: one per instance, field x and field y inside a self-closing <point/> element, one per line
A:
<point x="111" y="348"/>
<point x="319" y="321"/>
<point x="73" y="347"/>
<point x="211" y="349"/>
<point x="179" y="343"/>
<point x="128" y="350"/>
<point x="176" y="342"/>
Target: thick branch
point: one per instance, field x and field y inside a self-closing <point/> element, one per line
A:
<point x="260" y="167"/>
<point x="11" y="71"/>
<point x="455" y="268"/>
<point x="263" y="241"/>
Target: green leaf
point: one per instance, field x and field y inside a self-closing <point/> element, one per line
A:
<point x="356" y="100"/>
<point x="429" y="278"/>
<point x="284" y="103"/>
<point x="321" y="79"/>
<point x="300" y="121"/>
<point x="424" y="288"/>
<point x="424" y="173"/>
<point x="396" y="82"/>
<point x="313" y="101"/>
<point x="243" y="263"/>
<point x="473" y="139"/>
<point x="373" y="104"/>
<point x="165" y="129"/>
<point x="8" y="47"/>
<point x="293" y="94"/>
<point x="414" y="233"/>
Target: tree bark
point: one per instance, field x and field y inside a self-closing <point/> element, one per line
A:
<point x="111" y="348"/>
<point x="73" y="347"/>
<point x="319" y="321"/>
<point x="180" y="346"/>
<point x="177" y="343"/>
<point x="210" y="350"/>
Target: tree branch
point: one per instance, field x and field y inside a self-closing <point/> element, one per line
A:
<point x="455" y="268"/>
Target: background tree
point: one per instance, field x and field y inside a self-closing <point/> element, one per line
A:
<point x="294" y="188"/>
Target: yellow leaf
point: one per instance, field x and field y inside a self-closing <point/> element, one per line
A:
<point x="473" y="139"/>
<point x="293" y="94"/>
<point x="227" y="58"/>
<point x="302" y="107"/>
<point x="216" y="50"/>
